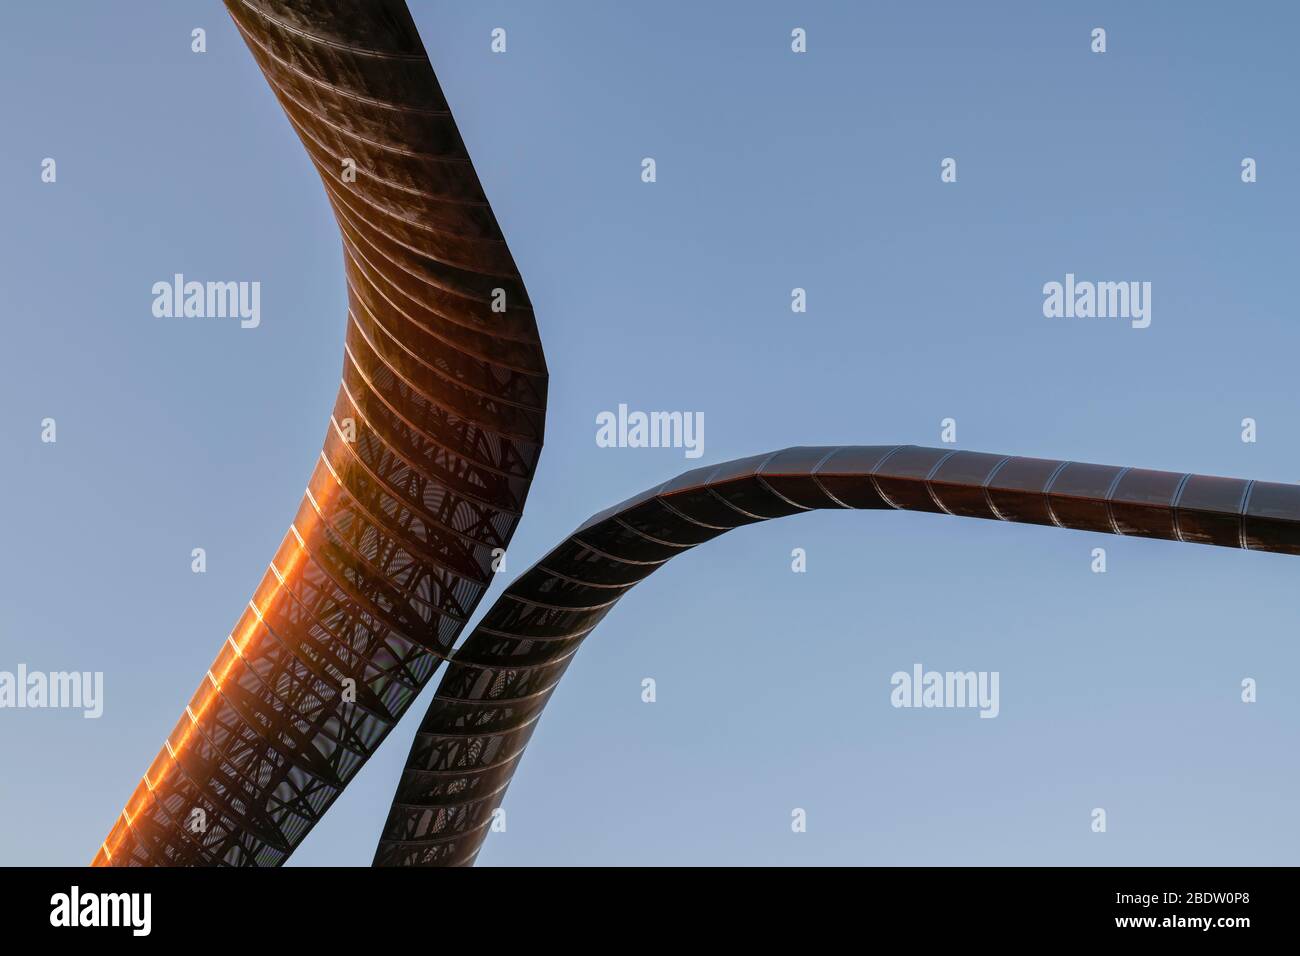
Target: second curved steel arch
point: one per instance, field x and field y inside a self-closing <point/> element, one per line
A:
<point x="492" y="695"/>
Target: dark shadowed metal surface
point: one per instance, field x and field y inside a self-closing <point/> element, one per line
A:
<point x="427" y="459"/>
<point x="492" y="695"/>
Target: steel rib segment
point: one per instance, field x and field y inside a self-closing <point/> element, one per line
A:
<point x="491" y="697"/>
<point x="387" y="557"/>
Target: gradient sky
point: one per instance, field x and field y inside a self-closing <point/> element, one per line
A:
<point x="1119" y="691"/>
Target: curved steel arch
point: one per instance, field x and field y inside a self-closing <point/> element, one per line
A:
<point x="498" y="682"/>
<point x="428" y="456"/>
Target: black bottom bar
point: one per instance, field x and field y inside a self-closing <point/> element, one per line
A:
<point x="978" y="905"/>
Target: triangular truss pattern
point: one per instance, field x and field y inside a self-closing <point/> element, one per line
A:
<point x="428" y="456"/>
<point x="492" y="694"/>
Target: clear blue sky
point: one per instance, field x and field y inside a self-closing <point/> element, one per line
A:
<point x="775" y="170"/>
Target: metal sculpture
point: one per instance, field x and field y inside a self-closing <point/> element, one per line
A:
<point x="427" y="460"/>
<point x="496" y="685"/>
